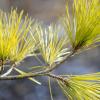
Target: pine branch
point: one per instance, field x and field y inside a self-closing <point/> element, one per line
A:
<point x="27" y="75"/>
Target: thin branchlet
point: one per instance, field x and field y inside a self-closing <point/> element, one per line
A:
<point x="27" y="75"/>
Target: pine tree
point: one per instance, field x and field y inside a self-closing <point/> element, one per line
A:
<point x="22" y="36"/>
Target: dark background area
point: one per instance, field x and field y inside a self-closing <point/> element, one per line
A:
<point x="86" y="62"/>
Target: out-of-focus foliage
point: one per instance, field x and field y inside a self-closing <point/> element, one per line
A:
<point x="83" y="30"/>
<point x="83" y="24"/>
<point x="52" y="47"/>
<point x="15" y="42"/>
<point x="81" y="87"/>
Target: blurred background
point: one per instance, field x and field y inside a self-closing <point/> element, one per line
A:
<point x="47" y="11"/>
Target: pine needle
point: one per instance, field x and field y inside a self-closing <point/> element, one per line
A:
<point x="15" y="42"/>
<point x="23" y="73"/>
<point x="49" y="82"/>
<point x="82" y="87"/>
<point x="83" y="24"/>
<point x="52" y="47"/>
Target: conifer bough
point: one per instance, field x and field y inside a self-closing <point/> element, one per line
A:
<point x="21" y="37"/>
